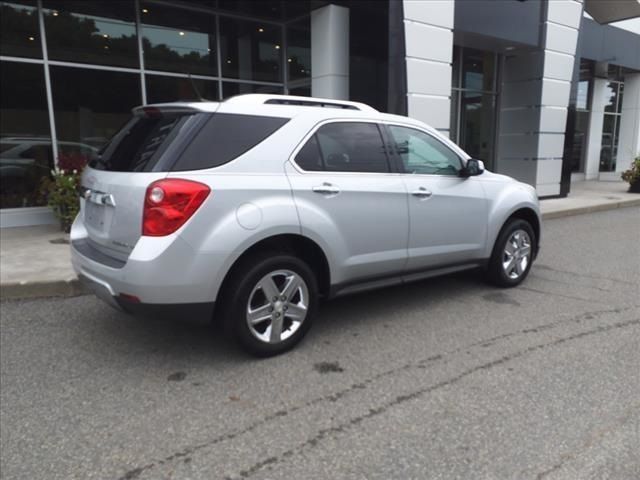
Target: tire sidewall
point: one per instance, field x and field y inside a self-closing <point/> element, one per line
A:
<point x="247" y="279"/>
<point x="496" y="272"/>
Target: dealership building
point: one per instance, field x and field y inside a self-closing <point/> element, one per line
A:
<point x="545" y="91"/>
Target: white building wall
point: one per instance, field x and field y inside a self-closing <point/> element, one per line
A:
<point x="429" y="51"/>
<point x="535" y="96"/>
<point x="560" y="32"/>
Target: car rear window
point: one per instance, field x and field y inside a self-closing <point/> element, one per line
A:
<point x="138" y="145"/>
<point x="224" y="137"/>
<point x="192" y="141"/>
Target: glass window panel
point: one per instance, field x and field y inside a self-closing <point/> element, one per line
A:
<point x="172" y="89"/>
<point x="309" y="157"/>
<point x="620" y="98"/>
<point x="19" y="31"/>
<point x="611" y="96"/>
<point x="229" y="136"/>
<point x="477" y="125"/>
<point x="301" y="91"/>
<point x="579" y="146"/>
<point x="272" y="9"/>
<point x="230" y="89"/>
<point x="423" y="154"/>
<point x="607" y="157"/>
<point x="614" y="72"/>
<point x="91" y="105"/>
<point x="299" y="50"/>
<point x="99" y="32"/>
<point x="178" y="40"/>
<point x="616" y="138"/>
<point x="25" y="142"/>
<point x="297" y="8"/>
<point x="582" y="99"/>
<point x="250" y="50"/>
<point x="478" y="69"/>
<point x="352" y="147"/>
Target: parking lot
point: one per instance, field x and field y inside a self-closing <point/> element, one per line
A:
<point x="445" y="378"/>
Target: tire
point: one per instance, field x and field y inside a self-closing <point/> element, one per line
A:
<point x="254" y="320"/>
<point x="512" y="254"/>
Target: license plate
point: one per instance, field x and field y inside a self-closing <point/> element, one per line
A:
<point x="94" y="215"/>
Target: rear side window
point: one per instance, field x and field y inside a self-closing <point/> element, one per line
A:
<point x="345" y="147"/>
<point x="138" y="146"/>
<point x="309" y="157"/>
<point x="224" y="137"/>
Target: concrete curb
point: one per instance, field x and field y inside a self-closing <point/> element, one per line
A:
<point x="73" y="287"/>
<point x="568" y="212"/>
<point x="53" y="288"/>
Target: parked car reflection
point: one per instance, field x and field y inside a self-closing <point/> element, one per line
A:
<point x="24" y="161"/>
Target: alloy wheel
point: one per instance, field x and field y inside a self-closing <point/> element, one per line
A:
<point x="516" y="255"/>
<point x="277" y="306"/>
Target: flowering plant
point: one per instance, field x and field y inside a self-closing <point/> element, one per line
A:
<point x="632" y="176"/>
<point x="61" y="189"/>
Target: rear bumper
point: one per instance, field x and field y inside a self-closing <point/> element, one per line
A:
<point x="155" y="310"/>
<point x="161" y="274"/>
<point x="167" y="310"/>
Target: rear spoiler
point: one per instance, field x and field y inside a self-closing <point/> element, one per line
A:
<point x="159" y="109"/>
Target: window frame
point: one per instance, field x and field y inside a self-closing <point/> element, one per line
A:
<point x="398" y="159"/>
<point x="391" y="162"/>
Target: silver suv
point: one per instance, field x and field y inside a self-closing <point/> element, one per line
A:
<point x="257" y="207"/>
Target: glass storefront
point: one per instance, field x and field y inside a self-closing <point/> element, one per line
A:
<point x="178" y="40"/>
<point x="19" y="30"/>
<point x="612" y="115"/>
<point x="611" y="126"/>
<point x="26" y="154"/>
<point x="77" y="67"/>
<point x="473" y="102"/>
<point x="87" y="117"/>
<point x="96" y="32"/>
<point x="582" y="114"/>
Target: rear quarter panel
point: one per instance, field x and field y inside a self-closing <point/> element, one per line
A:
<point x="241" y="210"/>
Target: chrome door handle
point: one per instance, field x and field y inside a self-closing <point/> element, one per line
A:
<point x="421" y="193"/>
<point x="326" y="189"/>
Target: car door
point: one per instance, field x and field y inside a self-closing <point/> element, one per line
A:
<point x="349" y="201"/>
<point x="447" y="213"/>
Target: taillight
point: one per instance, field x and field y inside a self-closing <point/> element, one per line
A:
<point x="169" y="203"/>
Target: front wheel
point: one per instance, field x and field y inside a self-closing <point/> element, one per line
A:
<point x="274" y="299"/>
<point x="512" y="254"/>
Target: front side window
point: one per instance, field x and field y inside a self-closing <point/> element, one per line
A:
<point x="345" y="147"/>
<point x="423" y="154"/>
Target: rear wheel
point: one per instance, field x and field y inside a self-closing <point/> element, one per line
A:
<point x="512" y="254"/>
<point x="273" y="299"/>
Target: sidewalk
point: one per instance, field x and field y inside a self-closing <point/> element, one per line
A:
<point x="35" y="260"/>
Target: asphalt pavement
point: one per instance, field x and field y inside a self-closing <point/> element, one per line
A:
<point x="443" y="379"/>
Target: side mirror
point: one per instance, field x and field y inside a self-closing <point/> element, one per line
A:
<point x="474" y="167"/>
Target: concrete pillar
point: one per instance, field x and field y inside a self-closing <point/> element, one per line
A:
<point x="429" y="51"/>
<point x="330" y="52"/>
<point x="629" y="142"/>
<point x="535" y="96"/>
<point x="596" y="123"/>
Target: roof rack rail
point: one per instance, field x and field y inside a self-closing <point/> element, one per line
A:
<point x="291" y="100"/>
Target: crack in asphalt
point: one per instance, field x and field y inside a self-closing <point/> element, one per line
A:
<point x="135" y="473"/>
<point x="553" y="280"/>
<point x="582" y="275"/>
<point x="560" y="295"/>
<point x="373" y="412"/>
<point x="596" y="436"/>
